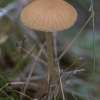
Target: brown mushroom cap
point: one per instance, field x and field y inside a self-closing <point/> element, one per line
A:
<point x="49" y="15"/>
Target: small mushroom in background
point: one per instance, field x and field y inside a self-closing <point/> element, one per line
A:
<point x="49" y="16"/>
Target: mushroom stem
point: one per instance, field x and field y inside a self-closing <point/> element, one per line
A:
<point x="50" y="53"/>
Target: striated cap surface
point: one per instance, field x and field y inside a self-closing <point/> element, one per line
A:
<point x="49" y="15"/>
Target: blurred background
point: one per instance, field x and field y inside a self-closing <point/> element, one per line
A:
<point x="16" y="63"/>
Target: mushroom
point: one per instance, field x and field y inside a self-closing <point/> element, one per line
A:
<point x="49" y="16"/>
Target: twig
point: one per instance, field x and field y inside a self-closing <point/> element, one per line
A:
<point x="6" y="9"/>
<point x="80" y="58"/>
<point x="35" y="37"/>
<point x="33" y="66"/>
<point x="71" y="65"/>
<point x="26" y="51"/>
<point x="74" y="72"/>
<point x="40" y="60"/>
<point x="61" y="84"/>
<point x="55" y="52"/>
<point x="23" y="94"/>
<point x="23" y="42"/>
<point x="74" y="39"/>
<point x="23" y="83"/>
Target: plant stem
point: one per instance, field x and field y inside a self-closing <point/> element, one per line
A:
<point x="50" y="53"/>
<point x="94" y="62"/>
<point x="67" y="48"/>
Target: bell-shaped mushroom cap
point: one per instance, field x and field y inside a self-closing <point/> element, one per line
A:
<point x="49" y="15"/>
